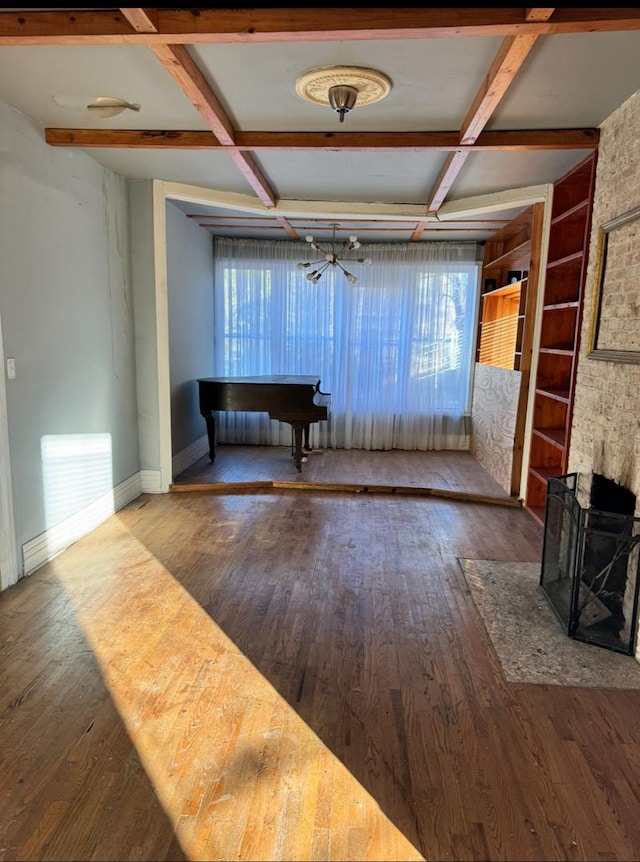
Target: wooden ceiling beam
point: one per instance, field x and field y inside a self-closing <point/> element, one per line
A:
<point x="506" y="65"/>
<point x="418" y="231"/>
<point x="142" y="20"/>
<point x="452" y="167"/>
<point x="538" y="14"/>
<point x="536" y="139"/>
<point x="180" y="65"/>
<point x="504" y="68"/>
<point x="432" y="227"/>
<point x="167" y="32"/>
<point x="282" y="24"/>
<point x="287" y="226"/>
<point x="312" y="224"/>
<point x="248" y="167"/>
<point x="178" y="62"/>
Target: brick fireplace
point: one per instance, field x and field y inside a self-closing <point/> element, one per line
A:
<point x="604" y="449"/>
<point x="591" y="561"/>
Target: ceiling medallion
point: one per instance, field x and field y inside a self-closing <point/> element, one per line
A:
<point x="341" y="86"/>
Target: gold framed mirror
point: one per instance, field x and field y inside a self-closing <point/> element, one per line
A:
<point x="615" y="324"/>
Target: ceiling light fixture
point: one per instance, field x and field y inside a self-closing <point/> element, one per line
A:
<point x="110" y="106"/>
<point x="335" y="257"/>
<point x="340" y="87"/>
<point x="342" y="99"/>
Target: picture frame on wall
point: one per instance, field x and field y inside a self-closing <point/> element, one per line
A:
<point x="615" y="330"/>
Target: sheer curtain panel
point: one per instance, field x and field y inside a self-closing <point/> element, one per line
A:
<point x="394" y="350"/>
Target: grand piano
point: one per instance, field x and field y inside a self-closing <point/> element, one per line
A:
<point x="288" y="398"/>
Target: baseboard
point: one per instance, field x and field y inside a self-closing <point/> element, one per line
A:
<point x="47" y="545"/>
<point x="150" y="482"/>
<point x="39" y="550"/>
<point x="189" y="456"/>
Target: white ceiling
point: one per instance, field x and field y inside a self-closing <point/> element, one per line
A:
<point x="569" y="80"/>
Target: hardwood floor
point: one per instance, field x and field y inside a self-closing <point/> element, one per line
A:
<point x="296" y="674"/>
<point x="456" y="475"/>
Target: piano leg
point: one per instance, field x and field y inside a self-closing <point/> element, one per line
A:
<point x="211" y="434"/>
<point x="298" y="428"/>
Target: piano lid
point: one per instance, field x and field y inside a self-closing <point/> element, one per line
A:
<point x="284" y="396"/>
<point x="277" y="379"/>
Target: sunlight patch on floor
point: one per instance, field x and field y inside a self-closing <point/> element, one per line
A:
<point x="237" y="771"/>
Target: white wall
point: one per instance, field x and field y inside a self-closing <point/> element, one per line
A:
<point x="190" y="301"/>
<point x="66" y="312"/>
<point x="84" y="301"/>
<point x="145" y="315"/>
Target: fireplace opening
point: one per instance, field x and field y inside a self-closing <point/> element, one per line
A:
<point x="605" y="561"/>
<point x="591" y="560"/>
<point x="609" y="496"/>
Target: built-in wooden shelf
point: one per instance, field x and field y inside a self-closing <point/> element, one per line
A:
<point x="558" y="351"/>
<point x="563" y="261"/>
<point x="579" y="208"/>
<point x="556" y="394"/>
<point x="508" y="257"/>
<point x="543" y="473"/>
<point x="560" y="324"/>
<point x="537" y="513"/>
<point x="555" y="436"/>
<point x="560" y="306"/>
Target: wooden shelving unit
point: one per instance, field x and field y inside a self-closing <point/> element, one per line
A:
<point x="501" y="324"/>
<point x="559" y="331"/>
<point x="509" y="296"/>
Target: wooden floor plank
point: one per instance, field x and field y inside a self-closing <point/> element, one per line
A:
<point x="255" y="468"/>
<point x="293" y="674"/>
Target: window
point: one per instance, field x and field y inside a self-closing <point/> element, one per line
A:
<point x="394" y="350"/>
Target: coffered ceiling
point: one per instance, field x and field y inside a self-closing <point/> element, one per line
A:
<point x="485" y="106"/>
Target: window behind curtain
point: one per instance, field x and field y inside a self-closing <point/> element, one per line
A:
<point x="394" y="350"/>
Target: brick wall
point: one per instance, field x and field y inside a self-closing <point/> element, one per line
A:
<point x="605" y="436"/>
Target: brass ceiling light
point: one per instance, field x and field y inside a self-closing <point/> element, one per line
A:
<point x="342" y="99"/>
<point x="341" y="87"/>
<point x="335" y="256"/>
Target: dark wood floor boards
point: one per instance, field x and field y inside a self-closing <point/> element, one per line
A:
<point x="257" y="468"/>
<point x="505" y="772"/>
<point x="296" y="675"/>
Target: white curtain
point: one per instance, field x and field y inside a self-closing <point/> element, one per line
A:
<point x="394" y="350"/>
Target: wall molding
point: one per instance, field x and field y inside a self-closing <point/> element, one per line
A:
<point x="190" y="455"/>
<point x="151" y="482"/>
<point x="9" y="573"/>
<point x="47" y="545"/>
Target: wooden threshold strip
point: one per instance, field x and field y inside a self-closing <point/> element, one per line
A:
<point x="230" y="487"/>
<point x="223" y="487"/>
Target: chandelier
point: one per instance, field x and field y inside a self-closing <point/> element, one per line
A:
<point x="334" y="257"/>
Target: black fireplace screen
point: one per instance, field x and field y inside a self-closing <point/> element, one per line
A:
<point x="590" y="568"/>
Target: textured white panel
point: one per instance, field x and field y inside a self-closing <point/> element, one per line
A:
<point x="493" y="417"/>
